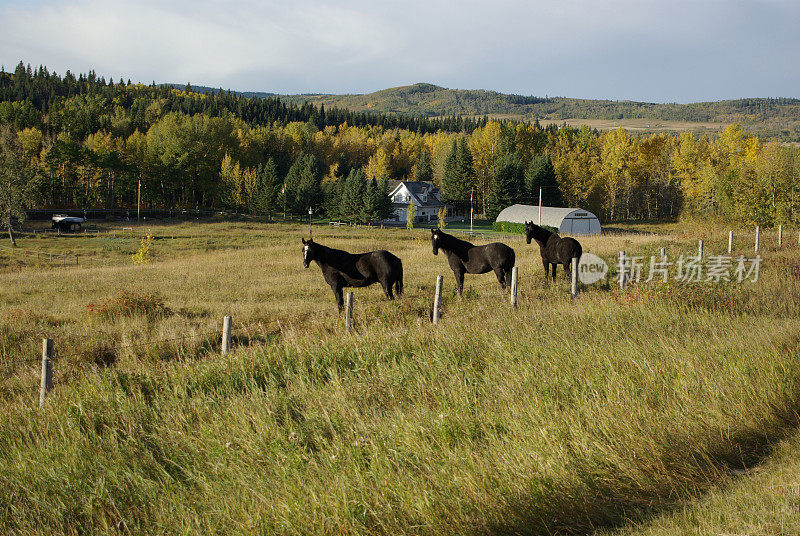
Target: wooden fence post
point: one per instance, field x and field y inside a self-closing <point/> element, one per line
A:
<point x="780" y="235"/>
<point x="348" y="312"/>
<point x="700" y="249"/>
<point x="226" y="335"/>
<point x="621" y="270"/>
<point x="730" y="242"/>
<point x="47" y="370"/>
<point x="437" y="299"/>
<point x="663" y="252"/>
<point x="574" y="274"/>
<point x="514" y="279"/>
<point x="758" y="232"/>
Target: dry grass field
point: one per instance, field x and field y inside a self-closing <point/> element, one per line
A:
<point x="648" y="125"/>
<point x="633" y="125"/>
<point x="637" y="411"/>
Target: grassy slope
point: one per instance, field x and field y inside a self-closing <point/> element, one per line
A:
<point x="764" y="502"/>
<point x="557" y="415"/>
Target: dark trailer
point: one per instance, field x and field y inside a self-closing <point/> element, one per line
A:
<point x="66" y="224"/>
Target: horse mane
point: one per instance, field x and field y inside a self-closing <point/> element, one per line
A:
<point x="327" y="254"/>
<point x="540" y="234"/>
<point x="321" y="252"/>
<point x="451" y="242"/>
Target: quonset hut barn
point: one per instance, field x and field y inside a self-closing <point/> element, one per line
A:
<point x="573" y="221"/>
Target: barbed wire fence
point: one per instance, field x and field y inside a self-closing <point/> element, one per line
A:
<point x="50" y="354"/>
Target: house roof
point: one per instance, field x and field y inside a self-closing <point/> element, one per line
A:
<point x="417" y="190"/>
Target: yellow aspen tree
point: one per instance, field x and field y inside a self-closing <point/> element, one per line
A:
<point x="378" y="166"/>
<point x="617" y="150"/>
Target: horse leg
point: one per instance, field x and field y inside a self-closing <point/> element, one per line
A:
<point x="501" y="276"/>
<point x="546" y="269"/>
<point x="554" y="265"/>
<point x="460" y="282"/>
<point x="398" y="282"/>
<point x="337" y="291"/>
<point x="387" y="288"/>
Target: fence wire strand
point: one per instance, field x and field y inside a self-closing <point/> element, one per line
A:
<point x="118" y="349"/>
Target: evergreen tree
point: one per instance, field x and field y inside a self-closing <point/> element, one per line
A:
<point x="352" y="200"/>
<point x="371" y="206"/>
<point x="332" y="194"/>
<point x="267" y="189"/>
<point x="344" y="167"/>
<point x="449" y="178"/>
<point x="466" y="169"/>
<point x="459" y="174"/>
<point x="385" y="206"/>
<point x="424" y="171"/>
<point x="303" y="184"/>
<point x="541" y="174"/>
<point x="507" y="185"/>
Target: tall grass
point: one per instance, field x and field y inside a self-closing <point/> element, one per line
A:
<point x="559" y="416"/>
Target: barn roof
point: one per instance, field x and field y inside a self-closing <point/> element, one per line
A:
<point x="552" y="216"/>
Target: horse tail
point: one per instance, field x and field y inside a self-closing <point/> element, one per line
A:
<point x="398" y="284"/>
<point x="578" y="251"/>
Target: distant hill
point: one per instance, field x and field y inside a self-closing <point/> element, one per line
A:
<point x="215" y="90"/>
<point x="771" y="118"/>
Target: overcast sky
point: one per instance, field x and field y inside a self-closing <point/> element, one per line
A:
<point x="651" y="50"/>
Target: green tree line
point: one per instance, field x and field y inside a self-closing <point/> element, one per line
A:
<point x="91" y="146"/>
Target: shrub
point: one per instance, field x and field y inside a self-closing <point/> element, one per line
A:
<point x="129" y="303"/>
<point x="516" y="228"/>
<point x="143" y="255"/>
<point x="441" y="215"/>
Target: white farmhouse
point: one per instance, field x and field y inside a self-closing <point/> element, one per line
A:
<point x="425" y="195"/>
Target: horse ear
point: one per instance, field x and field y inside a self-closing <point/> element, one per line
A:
<point x="433" y="232"/>
<point x="304" y="241"/>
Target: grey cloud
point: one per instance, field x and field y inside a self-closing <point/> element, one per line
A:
<point x="637" y="49"/>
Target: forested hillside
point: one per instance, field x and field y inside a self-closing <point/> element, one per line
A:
<point x="85" y="142"/>
<point x="776" y="119"/>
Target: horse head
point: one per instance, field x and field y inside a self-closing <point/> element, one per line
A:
<point x="309" y="247"/>
<point x="436" y="240"/>
<point x="533" y="231"/>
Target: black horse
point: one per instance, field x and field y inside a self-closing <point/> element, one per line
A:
<point x="555" y="250"/>
<point x="342" y="269"/>
<point x="466" y="258"/>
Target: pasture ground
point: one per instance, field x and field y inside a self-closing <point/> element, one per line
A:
<point x="661" y="409"/>
<point x="632" y="124"/>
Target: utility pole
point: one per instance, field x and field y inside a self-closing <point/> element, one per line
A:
<point x="310" y="212"/>
<point x="471" y="208"/>
<point x="540" y="207"/>
<point x="139" y="203"/>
